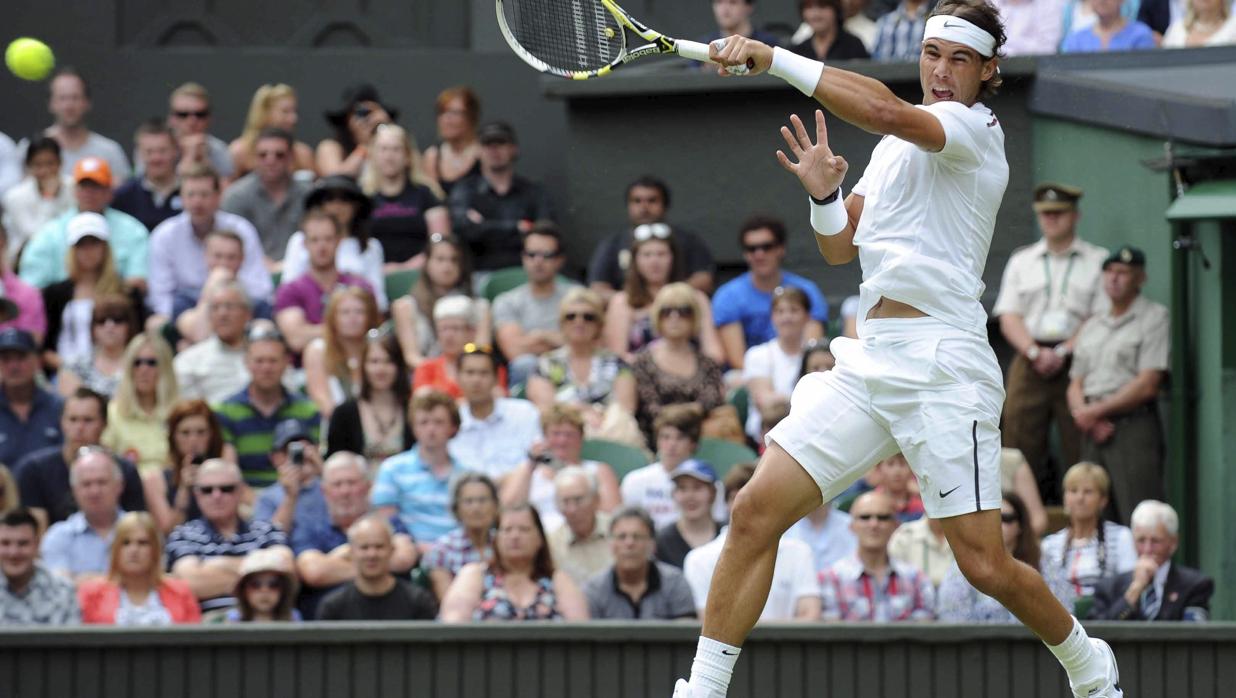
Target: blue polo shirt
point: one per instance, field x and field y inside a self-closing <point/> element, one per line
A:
<point x="73" y="546"/>
<point x="40" y="430"/>
<point x="324" y="536"/>
<point x="310" y="505"/>
<point x="738" y="300"/>
<point x="252" y="433"/>
<point x="423" y="500"/>
<point x="42" y="262"/>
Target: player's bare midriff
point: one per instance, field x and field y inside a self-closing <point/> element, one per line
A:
<point x="886" y="308"/>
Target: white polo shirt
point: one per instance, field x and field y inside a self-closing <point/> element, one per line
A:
<point x="794" y="576"/>
<point x="928" y="218"/>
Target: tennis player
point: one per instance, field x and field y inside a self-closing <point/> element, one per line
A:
<point x="922" y="378"/>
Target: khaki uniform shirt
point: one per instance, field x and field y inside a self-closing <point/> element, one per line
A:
<point x="1111" y="351"/>
<point x="581" y="558"/>
<point x="914" y="544"/>
<point x="1053" y="293"/>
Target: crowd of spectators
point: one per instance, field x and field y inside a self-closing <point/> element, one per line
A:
<point x="259" y="382"/>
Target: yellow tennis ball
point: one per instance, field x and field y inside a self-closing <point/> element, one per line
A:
<point x="29" y="59"/>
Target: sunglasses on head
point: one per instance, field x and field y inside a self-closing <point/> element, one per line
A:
<point x="473" y="348"/>
<point x="683" y="311"/>
<point x="648" y="231"/>
<point x="263" y="331"/>
<point x="586" y="317"/>
<point x="200" y="114"/>
<point x="143" y="361"/>
<point x="761" y="247"/>
<point x="211" y="489"/>
<point x="882" y="518"/>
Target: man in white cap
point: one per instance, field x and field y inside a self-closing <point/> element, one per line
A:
<point x="43" y="261"/>
<point x="922" y="379"/>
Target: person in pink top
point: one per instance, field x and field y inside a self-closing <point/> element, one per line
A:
<point x="21" y="305"/>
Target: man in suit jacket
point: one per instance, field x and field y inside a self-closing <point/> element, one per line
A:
<point x="1155" y="589"/>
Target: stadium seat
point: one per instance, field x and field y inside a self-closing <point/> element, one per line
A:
<point x="502" y="281"/>
<point x="275" y="276"/>
<point x="723" y="455"/>
<point x="621" y="457"/>
<point x="398" y="283"/>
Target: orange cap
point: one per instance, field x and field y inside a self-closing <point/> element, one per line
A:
<point x="94" y="169"/>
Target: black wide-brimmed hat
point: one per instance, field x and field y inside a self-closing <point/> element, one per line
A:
<point x="333" y="185"/>
<point x="353" y="95"/>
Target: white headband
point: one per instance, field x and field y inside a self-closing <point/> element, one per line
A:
<point x="962" y="31"/>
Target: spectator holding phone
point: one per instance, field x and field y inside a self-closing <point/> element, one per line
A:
<point x="296" y="498"/>
<point x="354" y="122"/>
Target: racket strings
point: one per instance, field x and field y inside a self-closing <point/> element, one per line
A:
<point x="571" y="35"/>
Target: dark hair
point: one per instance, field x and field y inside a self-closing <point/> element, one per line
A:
<point x="471" y="478"/>
<point x="42" y="144"/>
<point x="388" y="343"/>
<point x="84" y="393"/>
<point x="637" y="513"/>
<point x="813" y="347"/>
<point x="791" y="294"/>
<point x="423" y="293"/>
<point x="762" y="222"/>
<point x="834" y="4"/>
<point x="543" y="563"/>
<point x="686" y="417"/>
<point x="638" y="295"/>
<point x="650" y="182"/>
<point x="546" y="229"/>
<point x="1027" y="548"/>
<point x="484" y="352"/>
<point x="985" y="17"/>
<point x="275" y="132"/>
<point x="154" y="127"/>
<point x="20" y="516"/>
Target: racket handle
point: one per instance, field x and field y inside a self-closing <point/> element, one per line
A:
<point x="699" y="52"/>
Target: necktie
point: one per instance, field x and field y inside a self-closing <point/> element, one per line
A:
<point x="1150" y="603"/>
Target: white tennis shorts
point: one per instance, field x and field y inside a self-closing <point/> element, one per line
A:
<point x="916" y="386"/>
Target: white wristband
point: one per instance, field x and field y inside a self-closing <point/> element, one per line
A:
<point x="831" y="218"/>
<point x="800" y="71"/>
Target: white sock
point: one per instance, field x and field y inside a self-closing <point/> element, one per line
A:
<point x="713" y="665"/>
<point x="1084" y="665"/>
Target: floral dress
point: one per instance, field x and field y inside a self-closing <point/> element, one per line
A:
<point x="496" y="605"/>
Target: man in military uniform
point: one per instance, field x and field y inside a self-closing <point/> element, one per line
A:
<point x="1049" y="289"/>
<point x="1120" y="362"/>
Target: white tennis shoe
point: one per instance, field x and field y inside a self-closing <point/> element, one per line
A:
<point x="1110" y="689"/>
<point x="682" y="689"/>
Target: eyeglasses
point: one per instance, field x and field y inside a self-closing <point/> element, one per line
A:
<point x="200" y="114"/>
<point x="533" y="254"/>
<point x="762" y="247"/>
<point x="115" y="319"/>
<point x="208" y="490"/>
<point x="142" y="361"/>
<point x="682" y="311"/>
<point x="260" y="583"/>
<point x="882" y="518"/>
<point x="586" y="317"/>
<point x="1008" y="517"/>
<point x="472" y="348"/>
<point x="648" y="231"/>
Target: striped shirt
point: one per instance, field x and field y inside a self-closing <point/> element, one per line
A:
<point x="899" y="34"/>
<point x="454" y="550"/>
<point x="198" y="538"/>
<point x="422" y="498"/>
<point x="253" y="434"/>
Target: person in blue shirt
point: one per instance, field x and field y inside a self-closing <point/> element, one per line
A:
<point x="1111" y="31"/>
<point x="742" y="307"/>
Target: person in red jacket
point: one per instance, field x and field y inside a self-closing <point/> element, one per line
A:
<point x="135" y="592"/>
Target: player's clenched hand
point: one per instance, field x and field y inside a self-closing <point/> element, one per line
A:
<point x="820" y="171"/>
<point x="737" y="50"/>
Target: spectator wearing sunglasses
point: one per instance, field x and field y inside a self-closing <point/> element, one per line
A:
<point x="137" y="416"/>
<point x="526" y="317"/>
<point x="744" y="305"/>
<point x="671" y="370"/>
<point x="208" y="552"/>
<point x="188" y="115"/>
<point x="655" y="264"/>
<point x="113" y="323"/>
<point x="869" y="585"/>
<point x="585" y="375"/>
<point x="648" y="201"/>
<point x="269" y="197"/>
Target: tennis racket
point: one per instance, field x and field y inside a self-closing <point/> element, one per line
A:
<point x="581" y="39"/>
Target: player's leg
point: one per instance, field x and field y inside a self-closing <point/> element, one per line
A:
<point x="978" y="547"/>
<point x="825" y="444"/>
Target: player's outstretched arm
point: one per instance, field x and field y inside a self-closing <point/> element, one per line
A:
<point x="865" y="102"/>
<point x="821" y="173"/>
